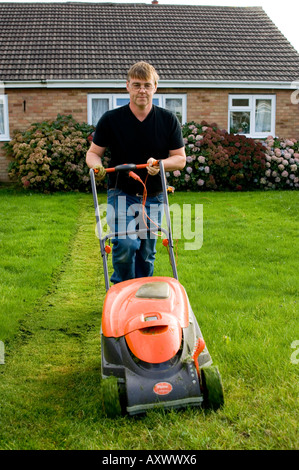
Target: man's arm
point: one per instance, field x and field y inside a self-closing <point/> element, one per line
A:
<point x="94" y="155"/>
<point x="175" y="161"/>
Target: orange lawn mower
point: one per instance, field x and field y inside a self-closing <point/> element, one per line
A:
<point x="152" y="349"/>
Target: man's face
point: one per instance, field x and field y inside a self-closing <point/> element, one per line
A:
<point x="141" y="92"/>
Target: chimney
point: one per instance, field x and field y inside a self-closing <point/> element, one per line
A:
<point x="155" y="2"/>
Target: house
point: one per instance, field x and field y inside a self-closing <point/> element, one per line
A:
<point x="228" y="65"/>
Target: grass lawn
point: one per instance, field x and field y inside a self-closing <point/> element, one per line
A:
<point x="242" y="285"/>
<point x="35" y="234"/>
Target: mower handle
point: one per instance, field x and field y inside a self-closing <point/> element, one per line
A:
<point x="102" y="240"/>
<point x="128" y="167"/>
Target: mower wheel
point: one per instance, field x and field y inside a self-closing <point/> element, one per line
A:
<point x="110" y="395"/>
<point x="212" y="388"/>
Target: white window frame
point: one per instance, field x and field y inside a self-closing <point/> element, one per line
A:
<point x="5" y="136"/>
<point x="113" y="97"/>
<point x="166" y="96"/>
<point x="251" y="108"/>
<point x="92" y="96"/>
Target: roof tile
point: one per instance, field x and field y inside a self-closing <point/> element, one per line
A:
<point x="100" y="41"/>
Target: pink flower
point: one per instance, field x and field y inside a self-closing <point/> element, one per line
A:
<point x="201" y="159"/>
<point x="177" y="173"/>
<point x="284" y="174"/>
<point x="200" y="182"/>
<point x="207" y="169"/>
<point x="189" y="169"/>
<point x="187" y="178"/>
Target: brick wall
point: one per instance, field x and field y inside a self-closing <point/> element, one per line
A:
<point x="26" y="106"/>
<point x="31" y="105"/>
<point x="212" y="106"/>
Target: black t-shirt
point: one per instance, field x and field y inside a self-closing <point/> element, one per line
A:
<point x="133" y="141"/>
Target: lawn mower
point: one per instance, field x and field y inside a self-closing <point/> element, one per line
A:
<point x="152" y="349"/>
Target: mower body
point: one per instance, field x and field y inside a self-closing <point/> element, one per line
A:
<point x="149" y="333"/>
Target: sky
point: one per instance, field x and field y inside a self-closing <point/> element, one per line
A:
<point x="283" y="13"/>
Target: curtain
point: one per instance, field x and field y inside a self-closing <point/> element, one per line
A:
<point x="263" y="115"/>
<point x="1" y="118"/>
<point x="175" y="105"/>
<point x="99" y="107"/>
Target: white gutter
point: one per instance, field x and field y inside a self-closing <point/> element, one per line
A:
<point x="162" y="84"/>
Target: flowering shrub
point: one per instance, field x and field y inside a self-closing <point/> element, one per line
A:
<point x="218" y="160"/>
<point x="50" y="156"/>
<point x="282" y="164"/>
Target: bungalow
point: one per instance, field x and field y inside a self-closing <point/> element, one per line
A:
<point x="229" y="65"/>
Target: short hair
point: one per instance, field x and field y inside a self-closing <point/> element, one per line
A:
<point x="143" y="71"/>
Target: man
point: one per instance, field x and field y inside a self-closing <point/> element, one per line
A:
<point x="136" y="133"/>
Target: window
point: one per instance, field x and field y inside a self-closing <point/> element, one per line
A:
<point x="98" y="104"/>
<point x="4" y="131"/>
<point x="252" y="115"/>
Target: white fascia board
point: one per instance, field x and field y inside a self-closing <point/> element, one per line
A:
<point x="25" y="84"/>
<point x="65" y="84"/>
<point x="86" y="83"/>
<point x="226" y="84"/>
<point x="162" y="84"/>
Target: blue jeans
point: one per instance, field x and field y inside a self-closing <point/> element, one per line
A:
<point x="133" y="255"/>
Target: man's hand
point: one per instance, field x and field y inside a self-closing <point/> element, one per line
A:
<point x="99" y="172"/>
<point x="152" y="170"/>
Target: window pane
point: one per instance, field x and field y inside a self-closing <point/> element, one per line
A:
<point x="240" y="102"/>
<point x="176" y="106"/>
<point x="263" y="115"/>
<point x="240" y="122"/>
<point x="122" y="101"/>
<point x="1" y="117"/>
<point x="156" y="101"/>
<point x="99" y="107"/>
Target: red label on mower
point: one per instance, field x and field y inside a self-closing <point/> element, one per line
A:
<point x="162" y="388"/>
